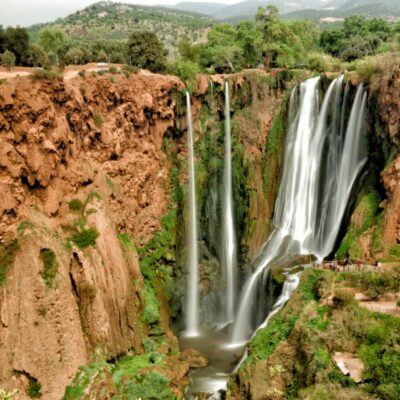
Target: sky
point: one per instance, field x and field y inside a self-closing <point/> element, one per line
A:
<point x="28" y="12"/>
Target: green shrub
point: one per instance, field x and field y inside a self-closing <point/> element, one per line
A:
<point x="8" y="252"/>
<point x="82" y="89"/>
<point x="50" y="266"/>
<point x="113" y="70"/>
<point x="184" y="69"/>
<point x="34" y="388"/>
<point x="76" y="205"/>
<point x="45" y="75"/>
<point x="149" y="386"/>
<point x="126" y="241"/>
<point x="394" y="251"/>
<point x="111" y="79"/>
<point x="98" y="120"/>
<point x="82" y="73"/>
<point x="85" y="238"/>
<point x="151" y="313"/>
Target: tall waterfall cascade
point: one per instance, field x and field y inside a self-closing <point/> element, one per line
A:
<point x="228" y="226"/>
<point x="192" y="296"/>
<point x="322" y="161"/>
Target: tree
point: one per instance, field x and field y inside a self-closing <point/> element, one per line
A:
<point x="249" y="39"/>
<point x="333" y="42"/>
<point x="357" y="47"/>
<point x="17" y="41"/>
<point x="102" y="56"/>
<point x="74" y="56"/>
<point x="146" y="51"/>
<point x="8" y="59"/>
<point x="221" y="48"/>
<point x="189" y="51"/>
<point x="36" y="57"/>
<point x="51" y="39"/>
<point x="354" y="26"/>
<point x="2" y="39"/>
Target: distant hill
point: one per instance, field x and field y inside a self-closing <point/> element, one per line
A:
<point x="386" y="9"/>
<point x="106" y="20"/>
<point x="291" y="9"/>
<point x="207" y="8"/>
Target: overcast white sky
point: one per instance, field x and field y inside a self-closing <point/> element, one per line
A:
<point x="28" y="12"/>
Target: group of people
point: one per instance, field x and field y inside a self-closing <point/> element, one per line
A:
<point x="347" y="264"/>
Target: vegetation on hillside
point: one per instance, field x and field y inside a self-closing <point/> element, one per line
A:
<point x="294" y="353"/>
<point x="185" y="44"/>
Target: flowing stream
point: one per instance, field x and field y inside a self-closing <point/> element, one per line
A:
<point x="325" y="152"/>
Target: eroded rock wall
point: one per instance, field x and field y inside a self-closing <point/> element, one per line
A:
<point x="99" y="142"/>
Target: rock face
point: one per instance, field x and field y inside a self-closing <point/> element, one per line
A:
<point x="100" y="143"/>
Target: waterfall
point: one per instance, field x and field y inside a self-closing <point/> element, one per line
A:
<point x="229" y="240"/>
<point x="289" y="286"/>
<point x="192" y="295"/>
<point x="320" y="169"/>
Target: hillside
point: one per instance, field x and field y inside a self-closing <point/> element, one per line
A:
<point x="344" y="8"/>
<point x="207" y="8"/>
<point x="117" y="20"/>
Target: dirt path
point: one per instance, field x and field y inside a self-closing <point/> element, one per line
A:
<point x="70" y="72"/>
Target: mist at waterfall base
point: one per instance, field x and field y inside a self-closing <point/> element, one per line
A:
<point x="325" y="152"/>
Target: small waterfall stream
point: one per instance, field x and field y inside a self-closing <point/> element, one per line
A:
<point x="228" y="226"/>
<point x="192" y="297"/>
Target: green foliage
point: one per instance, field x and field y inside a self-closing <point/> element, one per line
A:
<point x="274" y="143"/>
<point x="374" y="283"/>
<point x="357" y="38"/>
<point x="16" y="40"/>
<point x="7" y="395"/>
<point x="151" y="313"/>
<point x="85" y="238"/>
<point x="82" y="379"/>
<point x="146" y="51"/>
<point x="266" y="340"/>
<point x="50" y="266"/>
<point x="8" y="251"/>
<point x="98" y="120"/>
<point x="51" y="39"/>
<point x="367" y="210"/>
<point x="76" y="205"/>
<point x="8" y="59"/>
<point x="308" y="287"/>
<point x="185" y="69"/>
<point x="380" y="354"/>
<point x="46" y="75"/>
<point x="127" y="242"/>
<point x="34" y="388"/>
<point x="149" y="386"/>
<point x="394" y="251"/>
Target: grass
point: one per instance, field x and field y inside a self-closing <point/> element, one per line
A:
<point x="50" y="267"/>
<point x="8" y="252"/>
<point x="375" y="283"/>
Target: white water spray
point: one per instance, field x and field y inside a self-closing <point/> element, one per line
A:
<point x="192" y="295"/>
<point x="229" y="239"/>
